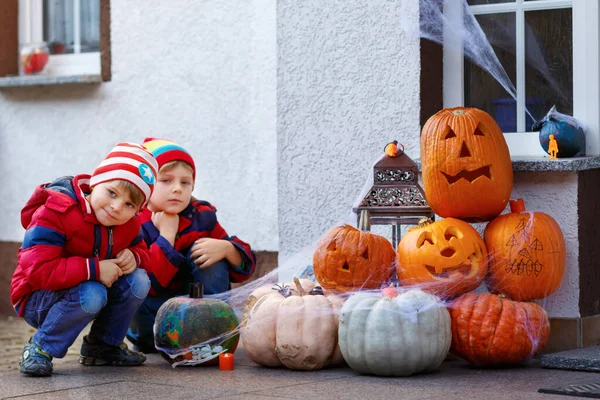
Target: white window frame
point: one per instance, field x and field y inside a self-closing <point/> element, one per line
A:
<point x="586" y="68"/>
<point x="31" y="30"/>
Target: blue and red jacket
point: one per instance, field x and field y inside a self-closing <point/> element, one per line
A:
<point x="64" y="242"/>
<point x="172" y="265"/>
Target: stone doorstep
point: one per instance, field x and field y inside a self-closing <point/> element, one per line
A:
<point x="584" y="359"/>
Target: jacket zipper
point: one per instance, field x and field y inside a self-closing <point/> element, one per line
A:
<point x="110" y="242"/>
<point x="97" y="239"/>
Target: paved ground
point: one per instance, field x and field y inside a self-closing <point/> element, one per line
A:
<point x="158" y="380"/>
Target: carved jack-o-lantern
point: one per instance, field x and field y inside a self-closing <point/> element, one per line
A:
<point x="446" y="257"/>
<point x="467" y="172"/>
<point x="348" y="259"/>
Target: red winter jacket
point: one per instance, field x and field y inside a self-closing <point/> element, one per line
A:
<point x="171" y="264"/>
<point x="64" y="241"/>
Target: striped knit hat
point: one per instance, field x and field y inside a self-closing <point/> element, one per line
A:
<point x="129" y="162"/>
<point x="165" y="151"/>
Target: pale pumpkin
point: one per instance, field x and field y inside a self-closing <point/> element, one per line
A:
<point x="527" y="254"/>
<point x="446" y="257"/>
<point x="294" y="328"/>
<point x="394" y="335"/>
<point x="466" y="168"/>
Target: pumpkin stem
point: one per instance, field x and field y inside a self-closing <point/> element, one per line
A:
<point x="424" y="222"/>
<point x="364" y="223"/>
<point x="517" y="206"/>
<point x="301" y="290"/>
<point x="459" y="112"/>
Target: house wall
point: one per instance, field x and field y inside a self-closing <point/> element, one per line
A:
<point x="200" y="73"/>
<point x="348" y="82"/>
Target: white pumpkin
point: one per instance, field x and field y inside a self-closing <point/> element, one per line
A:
<point x="293" y="328"/>
<point x="394" y="335"/>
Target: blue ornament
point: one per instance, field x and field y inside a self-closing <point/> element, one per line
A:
<point x="567" y="132"/>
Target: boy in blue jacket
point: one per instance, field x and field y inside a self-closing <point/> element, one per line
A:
<point x="83" y="259"/>
<point x="187" y="243"/>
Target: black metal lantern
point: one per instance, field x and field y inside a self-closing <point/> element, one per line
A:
<point x="395" y="198"/>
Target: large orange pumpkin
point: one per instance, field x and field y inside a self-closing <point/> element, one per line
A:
<point x="488" y="329"/>
<point x="527" y="254"/>
<point x="347" y="259"/>
<point x="467" y="172"/>
<point x="446" y="257"/>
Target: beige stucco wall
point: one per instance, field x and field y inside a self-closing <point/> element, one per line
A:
<point x="202" y="73"/>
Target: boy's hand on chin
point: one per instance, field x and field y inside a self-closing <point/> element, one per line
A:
<point x="109" y="272"/>
<point x="167" y="224"/>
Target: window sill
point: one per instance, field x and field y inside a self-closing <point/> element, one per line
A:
<point x="543" y="164"/>
<point x="43" y="80"/>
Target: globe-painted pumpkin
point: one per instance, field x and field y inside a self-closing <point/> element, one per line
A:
<point x="293" y="328"/>
<point x="394" y="335"/>
<point x="488" y="329"/>
<point x="446" y="257"/>
<point x="349" y="259"/>
<point x="466" y="168"/>
<point x="194" y="330"/>
<point x="527" y="254"/>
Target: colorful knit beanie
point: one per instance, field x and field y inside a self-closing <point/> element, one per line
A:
<point x="129" y="162"/>
<point x="165" y="151"/>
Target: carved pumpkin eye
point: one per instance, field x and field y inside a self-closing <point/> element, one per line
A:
<point x="478" y="131"/>
<point x="425" y="237"/>
<point x="450" y="134"/>
<point x="452" y="232"/>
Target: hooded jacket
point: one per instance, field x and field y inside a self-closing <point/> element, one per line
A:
<point x="64" y="242"/>
<point x="172" y="265"/>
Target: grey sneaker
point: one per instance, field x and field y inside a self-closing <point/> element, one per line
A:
<point x="96" y="352"/>
<point x="35" y="361"/>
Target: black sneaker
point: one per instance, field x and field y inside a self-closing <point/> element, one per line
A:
<point x="143" y="347"/>
<point x="96" y="352"/>
<point x="35" y="361"/>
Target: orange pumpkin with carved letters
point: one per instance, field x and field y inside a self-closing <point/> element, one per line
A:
<point x="466" y="168"/>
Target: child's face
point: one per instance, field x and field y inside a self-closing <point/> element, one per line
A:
<point x="112" y="204"/>
<point x="172" y="191"/>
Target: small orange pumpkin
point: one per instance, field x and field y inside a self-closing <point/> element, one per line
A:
<point x="488" y="329"/>
<point x="348" y="259"/>
<point x="527" y="254"/>
<point x="465" y="155"/>
<point x="446" y="257"/>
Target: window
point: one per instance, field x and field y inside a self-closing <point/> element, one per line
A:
<point x="549" y="50"/>
<point x="69" y="28"/>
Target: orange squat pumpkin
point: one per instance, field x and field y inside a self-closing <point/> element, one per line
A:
<point x="527" y="254"/>
<point x="467" y="171"/>
<point x="488" y="329"/>
<point x="347" y="259"/>
<point x="446" y="257"/>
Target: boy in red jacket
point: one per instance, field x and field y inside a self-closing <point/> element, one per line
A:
<point x="187" y="243"/>
<point x="79" y="262"/>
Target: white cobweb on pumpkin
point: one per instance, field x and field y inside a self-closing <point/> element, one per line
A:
<point x="434" y="26"/>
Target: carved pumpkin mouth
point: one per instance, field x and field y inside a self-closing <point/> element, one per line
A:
<point x="463" y="269"/>
<point x="468" y="175"/>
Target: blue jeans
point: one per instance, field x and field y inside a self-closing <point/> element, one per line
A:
<point x="214" y="279"/>
<point x="61" y="315"/>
